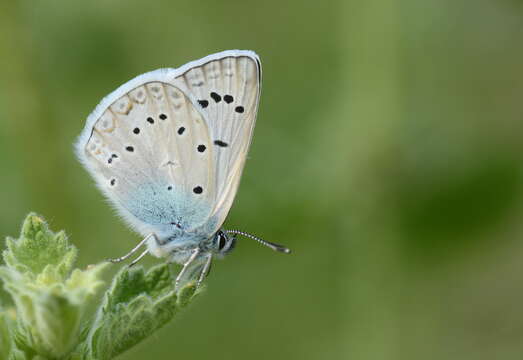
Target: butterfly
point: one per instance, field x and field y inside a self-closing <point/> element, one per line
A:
<point x="168" y="149"/>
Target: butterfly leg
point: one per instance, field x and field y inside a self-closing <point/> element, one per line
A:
<point x="126" y="256"/>
<point x="205" y="270"/>
<point x="139" y="258"/>
<point x="193" y="256"/>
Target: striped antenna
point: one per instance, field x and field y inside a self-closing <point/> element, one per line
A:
<point x="271" y="245"/>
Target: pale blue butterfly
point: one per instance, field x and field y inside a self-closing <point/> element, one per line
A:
<point x="168" y="148"/>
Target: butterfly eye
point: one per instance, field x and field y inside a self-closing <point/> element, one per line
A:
<point x="222" y="241"/>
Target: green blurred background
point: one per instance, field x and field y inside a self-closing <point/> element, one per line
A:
<point x="387" y="155"/>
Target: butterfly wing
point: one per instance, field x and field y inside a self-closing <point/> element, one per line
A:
<point x="227" y="90"/>
<point x="144" y="150"/>
<point x="168" y="147"/>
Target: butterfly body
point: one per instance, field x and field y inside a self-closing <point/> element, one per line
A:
<point x="168" y="148"/>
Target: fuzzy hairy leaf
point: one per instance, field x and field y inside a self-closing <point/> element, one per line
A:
<point x="137" y="304"/>
<point x="50" y="300"/>
<point x="6" y="342"/>
<point x="39" y="251"/>
<point x="47" y="301"/>
<point x="8" y="349"/>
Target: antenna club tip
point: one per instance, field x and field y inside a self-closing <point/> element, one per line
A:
<point x="286" y="251"/>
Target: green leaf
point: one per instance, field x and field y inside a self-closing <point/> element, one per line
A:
<point x="187" y="294"/>
<point x="39" y="251"/>
<point x="136" y="305"/>
<point x="50" y="300"/>
<point x="6" y="342"/>
<point x="8" y="349"/>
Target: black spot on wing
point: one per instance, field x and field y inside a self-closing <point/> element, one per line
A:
<point x="239" y="109"/>
<point x="217" y="98"/>
<point x="220" y="143"/>
<point x="228" y="99"/>
<point x="197" y="190"/>
<point x="203" y="103"/>
<point x="110" y="160"/>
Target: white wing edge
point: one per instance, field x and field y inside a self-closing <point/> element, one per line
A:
<point x="164" y="75"/>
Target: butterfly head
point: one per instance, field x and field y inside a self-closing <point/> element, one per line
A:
<point x="223" y="243"/>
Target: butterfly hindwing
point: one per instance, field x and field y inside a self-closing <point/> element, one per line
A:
<point x="148" y="153"/>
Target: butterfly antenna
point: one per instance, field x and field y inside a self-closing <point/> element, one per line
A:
<point x="269" y="244"/>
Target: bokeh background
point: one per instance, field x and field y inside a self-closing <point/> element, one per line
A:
<point x="387" y="155"/>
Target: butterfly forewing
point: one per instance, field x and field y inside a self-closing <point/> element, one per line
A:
<point x="227" y="91"/>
